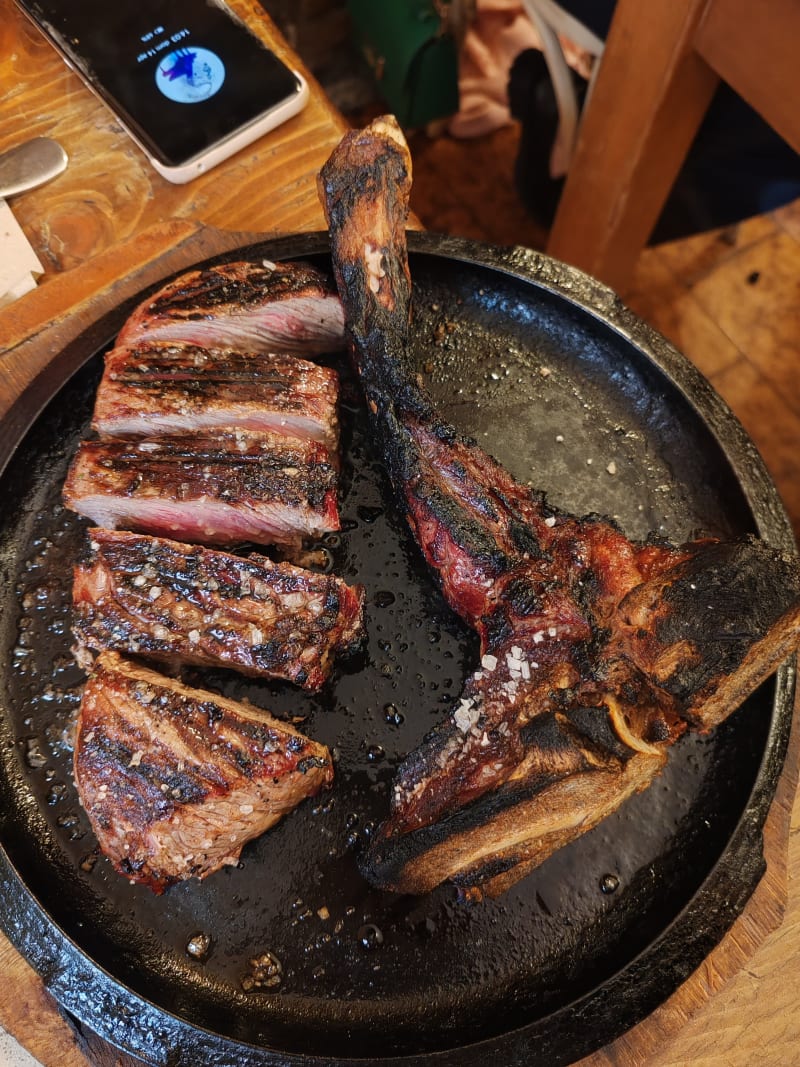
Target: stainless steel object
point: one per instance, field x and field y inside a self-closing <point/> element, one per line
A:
<point x="30" y="164"/>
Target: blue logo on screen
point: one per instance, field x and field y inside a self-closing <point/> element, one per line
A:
<point x="189" y="75"/>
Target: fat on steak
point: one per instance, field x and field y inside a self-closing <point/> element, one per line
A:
<point x="253" y="306"/>
<point x="214" y="487"/>
<point x="176" y="781"/>
<point x="184" y="604"/>
<point x="597" y="652"/>
<point x="168" y="387"/>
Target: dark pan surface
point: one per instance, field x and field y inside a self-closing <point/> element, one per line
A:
<point x="560" y="383"/>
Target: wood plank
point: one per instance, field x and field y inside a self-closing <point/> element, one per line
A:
<point x="31" y="1015"/>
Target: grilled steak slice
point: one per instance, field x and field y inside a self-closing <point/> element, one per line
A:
<point x="185" y="604"/>
<point x="164" y="387"/>
<point x="252" y="306"/>
<point x="176" y="780"/>
<point x="597" y="653"/>
<point x="216" y="487"/>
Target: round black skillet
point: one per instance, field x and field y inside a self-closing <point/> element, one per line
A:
<point x="547" y="370"/>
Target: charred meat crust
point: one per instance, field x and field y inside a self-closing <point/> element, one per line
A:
<point x="709" y="619"/>
<point x="176" y="780"/>
<point x="284" y="307"/>
<point x="183" y="604"/>
<point x="597" y="653"/>
<point x="505" y="832"/>
<point x="239" y="285"/>
<point x="169" y="387"/>
<point x="671" y="664"/>
<point x="216" y="487"/>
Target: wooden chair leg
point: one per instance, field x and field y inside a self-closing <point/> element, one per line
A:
<point x="650" y="96"/>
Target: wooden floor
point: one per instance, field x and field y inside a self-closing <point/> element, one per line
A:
<point x="728" y="299"/>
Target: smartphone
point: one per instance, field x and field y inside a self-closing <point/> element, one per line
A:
<point x="187" y="79"/>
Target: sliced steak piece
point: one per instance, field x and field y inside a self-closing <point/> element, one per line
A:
<point x="218" y="487"/>
<point x="181" y="603"/>
<point x="597" y="652"/>
<point x="176" y="780"/>
<point x="253" y="306"/>
<point x="166" y="387"/>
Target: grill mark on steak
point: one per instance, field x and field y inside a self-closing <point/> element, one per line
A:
<point x="215" y="487"/>
<point x="163" y="387"/>
<point x="176" y="781"/>
<point x="596" y="652"/>
<point x="255" y="306"/>
<point x="181" y="604"/>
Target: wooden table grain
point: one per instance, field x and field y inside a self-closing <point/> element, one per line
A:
<point x="110" y="225"/>
<point x="109" y="192"/>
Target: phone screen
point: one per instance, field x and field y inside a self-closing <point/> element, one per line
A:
<point x="182" y="75"/>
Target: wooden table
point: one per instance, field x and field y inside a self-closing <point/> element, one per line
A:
<point x="103" y="230"/>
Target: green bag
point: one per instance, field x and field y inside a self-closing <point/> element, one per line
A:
<point x="413" y="56"/>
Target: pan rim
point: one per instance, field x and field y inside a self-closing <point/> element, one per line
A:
<point x="601" y="303"/>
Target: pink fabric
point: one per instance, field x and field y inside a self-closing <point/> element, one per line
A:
<point x="499" y="32"/>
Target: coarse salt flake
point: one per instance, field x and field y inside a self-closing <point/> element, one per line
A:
<point x="611" y="467"/>
<point x="466" y="715"/>
<point x="461" y="719"/>
<point x="550" y="521"/>
<point x="489" y="662"/>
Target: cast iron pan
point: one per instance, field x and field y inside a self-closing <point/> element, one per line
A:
<point x="547" y="370"/>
